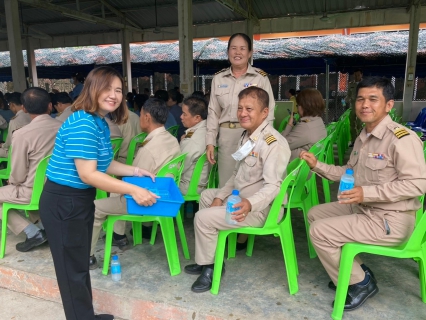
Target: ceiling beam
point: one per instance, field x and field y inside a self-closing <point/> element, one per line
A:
<point x="29" y="27"/>
<point x="79" y="15"/>
<point x="235" y="7"/>
<point x="118" y="13"/>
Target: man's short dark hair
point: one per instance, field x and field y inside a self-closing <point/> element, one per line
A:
<point x="196" y="106"/>
<point x="139" y="101"/>
<point x="63" y="97"/>
<point x="157" y="108"/>
<point x="358" y="70"/>
<point x="174" y="95"/>
<point x="162" y="94"/>
<point x="257" y="93"/>
<point x="382" y="83"/>
<point x="15" y="98"/>
<point x="292" y="92"/>
<point x="36" y="100"/>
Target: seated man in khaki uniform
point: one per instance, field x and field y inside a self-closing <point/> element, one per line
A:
<point x="129" y="129"/>
<point x="63" y="105"/>
<point x="261" y="164"/>
<point x="390" y="173"/>
<point x="30" y="145"/>
<point x="193" y="142"/>
<point x="18" y="121"/>
<point x="158" y="148"/>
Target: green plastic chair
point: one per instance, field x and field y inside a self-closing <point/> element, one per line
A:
<point x="5" y="173"/>
<point x="136" y="140"/>
<point x="415" y="248"/>
<point x="32" y="206"/>
<point x="173" y="130"/>
<point x="174" y="167"/>
<point x="213" y="177"/>
<point x="116" y="145"/>
<point x="272" y="226"/>
<point x="192" y="194"/>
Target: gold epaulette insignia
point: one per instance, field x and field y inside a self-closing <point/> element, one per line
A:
<point x="400" y="132"/>
<point x="16" y="129"/>
<point x="305" y="120"/>
<point x="13" y="118"/>
<point x="145" y="142"/>
<point x="221" y="71"/>
<point x="261" y="72"/>
<point x="269" y="138"/>
<point x="189" y="134"/>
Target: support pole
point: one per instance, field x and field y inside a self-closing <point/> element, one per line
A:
<point x="32" y="67"/>
<point x="127" y="67"/>
<point x="15" y="45"/>
<point x="327" y="89"/>
<point x="250" y="33"/>
<point x="186" y="64"/>
<point x="410" y="68"/>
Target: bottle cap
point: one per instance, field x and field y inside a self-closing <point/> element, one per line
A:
<point x="350" y="171"/>
<point x="115" y="257"/>
<point x="235" y="192"/>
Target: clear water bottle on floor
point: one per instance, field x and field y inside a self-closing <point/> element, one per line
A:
<point x="115" y="269"/>
<point x="233" y="199"/>
<point x="347" y="182"/>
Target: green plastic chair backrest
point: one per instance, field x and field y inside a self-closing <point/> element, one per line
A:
<point x="116" y="144"/>
<point x="302" y="178"/>
<point x="39" y="180"/>
<point x="196" y="175"/>
<point x="138" y="139"/>
<point x="418" y="235"/>
<point x="213" y="177"/>
<point x="287" y="188"/>
<point x="173" y="130"/>
<point x="174" y="167"/>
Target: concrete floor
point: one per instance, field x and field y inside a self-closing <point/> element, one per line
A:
<point x="252" y="288"/>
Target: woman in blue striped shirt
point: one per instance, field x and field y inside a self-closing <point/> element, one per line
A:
<point x="82" y="160"/>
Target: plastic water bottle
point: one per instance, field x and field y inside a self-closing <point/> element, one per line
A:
<point x="347" y="182"/>
<point x="115" y="269"/>
<point x="233" y="199"/>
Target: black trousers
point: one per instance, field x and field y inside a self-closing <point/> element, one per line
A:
<point x="67" y="215"/>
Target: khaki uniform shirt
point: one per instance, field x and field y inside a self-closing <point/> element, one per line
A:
<point x="18" y="121"/>
<point x="62" y="116"/>
<point x="30" y="145"/>
<point x="194" y="143"/>
<point x="293" y="98"/>
<point x="129" y="129"/>
<point x="258" y="176"/>
<point x="304" y="134"/>
<point x="388" y="164"/>
<point x="158" y="148"/>
<point x="3" y="123"/>
<point x="223" y="103"/>
<point x="114" y="130"/>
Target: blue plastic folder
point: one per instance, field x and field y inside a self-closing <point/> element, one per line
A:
<point x="167" y="205"/>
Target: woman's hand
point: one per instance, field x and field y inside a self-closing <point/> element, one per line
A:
<point x="143" y="197"/>
<point x="143" y="173"/>
<point x="210" y="153"/>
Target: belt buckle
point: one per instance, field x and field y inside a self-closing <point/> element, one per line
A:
<point x="232" y="125"/>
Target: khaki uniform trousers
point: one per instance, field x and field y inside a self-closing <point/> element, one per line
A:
<point x="209" y="220"/>
<point x="228" y="144"/>
<point x="114" y="205"/>
<point x="16" y="221"/>
<point x="332" y="225"/>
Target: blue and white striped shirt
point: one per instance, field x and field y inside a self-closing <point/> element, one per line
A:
<point x="82" y="136"/>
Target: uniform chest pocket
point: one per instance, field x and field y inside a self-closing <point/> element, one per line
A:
<point x="249" y="164"/>
<point x="222" y="96"/>
<point x="375" y="170"/>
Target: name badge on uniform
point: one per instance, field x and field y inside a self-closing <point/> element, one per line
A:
<point x="222" y="86"/>
<point x="246" y="85"/>
<point x="379" y="156"/>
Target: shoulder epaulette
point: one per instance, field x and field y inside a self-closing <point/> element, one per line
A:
<point x="269" y="138"/>
<point x="189" y="134"/>
<point x="261" y="72"/>
<point x="305" y="120"/>
<point x="13" y="118"/>
<point x="16" y="129"/>
<point x="221" y="71"/>
<point x="400" y="132"/>
<point x="145" y="142"/>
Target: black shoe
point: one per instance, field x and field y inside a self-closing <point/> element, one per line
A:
<point x="358" y="294"/>
<point x="146" y="232"/>
<point x="242" y="246"/>
<point x="93" y="263"/>
<point x="104" y="317"/>
<point x="197" y="269"/>
<point x="33" y="242"/>
<point x="332" y="286"/>
<point x="121" y="244"/>
<point x="204" y="281"/>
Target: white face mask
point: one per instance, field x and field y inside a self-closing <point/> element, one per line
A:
<point x="244" y="150"/>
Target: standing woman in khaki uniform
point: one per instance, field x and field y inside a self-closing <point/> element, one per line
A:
<point x="223" y="128"/>
<point x="311" y="128"/>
